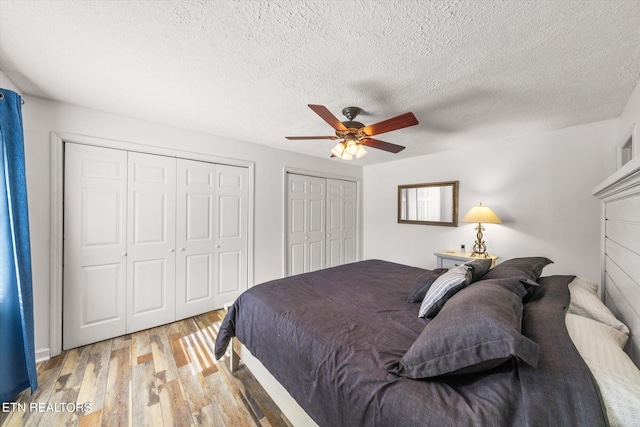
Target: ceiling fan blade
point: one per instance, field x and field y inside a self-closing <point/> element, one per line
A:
<point x="326" y="115"/>
<point x="399" y="122"/>
<point x="311" y="137"/>
<point x="381" y="145"/>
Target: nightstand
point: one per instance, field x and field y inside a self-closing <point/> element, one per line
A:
<point x="449" y="259"/>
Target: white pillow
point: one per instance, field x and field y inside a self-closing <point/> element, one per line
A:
<point x="617" y="377"/>
<point x="585" y="302"/>
<point x="588" y="285"/>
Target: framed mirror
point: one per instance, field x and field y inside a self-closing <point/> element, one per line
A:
<point x="434" y="203"/>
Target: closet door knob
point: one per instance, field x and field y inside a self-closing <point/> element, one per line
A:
<point x="216" y="246"/>
<point x="123" y="254"/>
<point x="181" y="249"/>
<point x="172" y="250"/>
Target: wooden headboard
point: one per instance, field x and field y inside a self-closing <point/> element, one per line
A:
<point x="620" y="248"/>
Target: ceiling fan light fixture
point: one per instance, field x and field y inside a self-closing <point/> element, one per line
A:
<point x="346" y="156"/>
<point x="338" y="150"/>
<point x="351" y="145"/>
<point x="361" y="151"/>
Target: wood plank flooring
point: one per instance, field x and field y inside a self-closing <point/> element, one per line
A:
<point x="165" y="376"/>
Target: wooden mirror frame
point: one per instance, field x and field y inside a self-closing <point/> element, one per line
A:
<point x="454" y="204"/>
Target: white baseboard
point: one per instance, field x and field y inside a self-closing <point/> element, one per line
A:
<point x="43" y="355"/>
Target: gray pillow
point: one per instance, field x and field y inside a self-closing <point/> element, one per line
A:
<point x="444" y="288"/>
<point x="479" y="268"/>
<point x="524" y="268"/>
<point x="423" y="283"/>
<point x="478" y="329"/>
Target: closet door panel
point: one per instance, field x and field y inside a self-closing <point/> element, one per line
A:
<point x="229" y="273"/>
<point x="350" y="221"/>
<point x="151" y="241"/>
<point x="195" y="263"/>
<point x="232" y="192"/>
<point x="349" y="248"/>
<point x="149" y="286"/>
<point x="198" y="277"/>
<point x="306" y="223"/>
<point x="316" y="256"/>
<point x="94" y="294"/>
<point x="341" y="222"/>
<point x="334" y="252"/>
<point x="297" y="258"/>
<point x="101" y="283"/>
<point x="297" y="245"/>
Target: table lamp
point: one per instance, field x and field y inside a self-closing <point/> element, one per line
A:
<point x="481" y="214"/>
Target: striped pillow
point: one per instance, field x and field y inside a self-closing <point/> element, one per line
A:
<point x="444" y="288"/>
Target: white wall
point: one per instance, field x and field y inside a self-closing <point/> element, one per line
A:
<point x="8" y="84"/>
<point x="631" y="116"/>
<point x="539" y="185"/>
<point x="43" y="116"/>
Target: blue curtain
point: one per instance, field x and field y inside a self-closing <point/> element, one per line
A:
<point x="17" y="355"/>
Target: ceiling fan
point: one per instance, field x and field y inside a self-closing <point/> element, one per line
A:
<point x="355" y="135"/>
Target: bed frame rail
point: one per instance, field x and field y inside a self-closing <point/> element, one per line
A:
<point x="287" y="404"/>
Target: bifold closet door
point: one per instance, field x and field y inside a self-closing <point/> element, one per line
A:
<point x="306" y="222"/>
<point x="95" y="247"/>
<point x="151" y="238"/>
<point x="341" y="222"/>
<point x="232" y="227"/>
<point x="322" y="223"/>
<point x="212" y="225"/>
<point x="195" y="233"/>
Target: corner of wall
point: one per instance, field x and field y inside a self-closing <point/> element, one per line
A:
<point x="6" y="83"/>
<point x="630" y="114"/>
<point x="42" y="355"/>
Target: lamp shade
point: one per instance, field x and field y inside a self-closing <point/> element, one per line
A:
<point x="338" y="150"/>
<point x="481" y="214"/>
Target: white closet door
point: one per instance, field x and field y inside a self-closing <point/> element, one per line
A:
<point x="306" y="221"/>
<point x="195" y="261"/>
<point x="94" y="294"/>
<point x="231" y="248"/>
<point x="341" y="222"/>
<point x="151" y="241"/>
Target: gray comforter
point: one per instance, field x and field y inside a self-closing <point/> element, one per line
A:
<point x="327" y="337"/>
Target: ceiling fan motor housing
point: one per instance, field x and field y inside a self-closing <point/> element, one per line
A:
<point x="351" y="125"/>
<point x="351" y="112"/>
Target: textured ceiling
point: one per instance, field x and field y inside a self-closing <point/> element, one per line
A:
<point x="469" y="70"/>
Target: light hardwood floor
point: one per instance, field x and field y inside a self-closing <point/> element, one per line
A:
<point x="165" y="376"/>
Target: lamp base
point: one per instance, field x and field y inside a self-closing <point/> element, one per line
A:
<point x="479" y="255"/>
<point x="479" y="248"/>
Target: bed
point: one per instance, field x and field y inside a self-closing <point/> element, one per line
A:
<point x="332" y="347"/>
<point x="335" y="340"/>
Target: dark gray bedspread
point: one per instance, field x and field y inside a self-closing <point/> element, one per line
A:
<point x="327" y="336"/>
